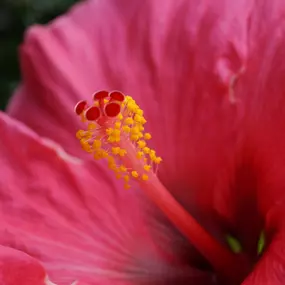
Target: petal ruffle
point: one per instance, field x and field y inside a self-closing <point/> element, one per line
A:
<point x="75" y="219"/>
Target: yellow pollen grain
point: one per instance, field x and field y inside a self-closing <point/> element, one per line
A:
<point x="109" y="131"/>
<point x="97" y="144"/>
<point x="85" y="146"/>
<point x="97" y="156"/>
<point x="110" y="159"/>
<point x="138" y="118"/>
<point x="117" y="125"/>
<point x="122" y="168"/>
<point x="146" y="150"/>
<point x="144" y="177"/>
<point x="134" y="137"/>
<point x="91" y="126"/>
<point x="140" y="154"/>
<point x="122" y="152"/>
<point x="135" y="174"/>
<point x="116" y="133"/>
<point x="129" y="121"/>
<point x="147" y="136"/>
<point x="132" y="107"/>
<point x="127" y="186"/>
<point x="112" y="139"/>
<point x="113" y="166"/>
<point x="140" y="112"/>
<point x="104" y="154"/>
<point x="126" y="178"/>
<point x="135" y="130"/>
<point x="141" y="144"/>
<point x="147" y="167"/>
<point x="80" y="134"/>
<point x="158" y="160"/>
<point x="120" y="117"/>
<point x="126" y="129"/>
<point x="116" y="150"/>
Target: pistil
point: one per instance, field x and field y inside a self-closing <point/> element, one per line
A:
<point x="115" y="133"/>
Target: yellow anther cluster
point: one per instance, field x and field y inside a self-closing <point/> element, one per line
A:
<point x="97" y="144"/>
<point x="114" y="135"/>
<point x="117" y="125"/>
<point x="135" y="174"/>
<point x="144" y="177"/>
<point x="147" y="167"/>
<point x="91" y="126"/>
<point x="106" y="141"/>
<point x="119" y="151"/>
<point x="141" y="144"/>
<point x="100" y="153"/>
<point x="81" y="134"/>
<point x="147" y="136"/>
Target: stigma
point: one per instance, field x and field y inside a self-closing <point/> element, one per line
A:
<point x="114" y="131"/>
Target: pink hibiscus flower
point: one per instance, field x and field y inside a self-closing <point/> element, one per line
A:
<point x="209" y="77"/>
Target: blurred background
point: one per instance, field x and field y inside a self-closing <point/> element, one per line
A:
<point x="15" y="17"/>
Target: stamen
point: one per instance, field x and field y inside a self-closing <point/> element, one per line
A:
<point x="115" y="133"/>
<point x="119" y="132"/>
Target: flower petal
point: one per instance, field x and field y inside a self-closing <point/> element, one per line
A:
<point x="78" y="221"/>
<point x="178" y="59"/>
<point x="17" y="267"/>
<point x="198" y="69"/>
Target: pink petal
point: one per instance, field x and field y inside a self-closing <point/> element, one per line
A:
<point x="78" y="222"/>
<point x="209" y="76"/>
<point x="17" y="268"/>
<point x="177" y="58"/>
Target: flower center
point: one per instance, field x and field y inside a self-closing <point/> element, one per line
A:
<point x="115" y="132"/>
